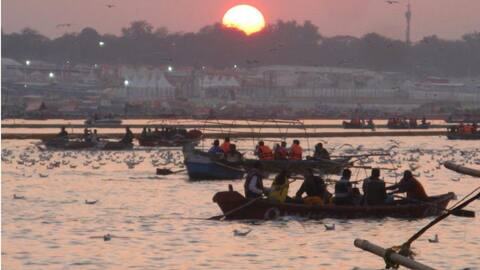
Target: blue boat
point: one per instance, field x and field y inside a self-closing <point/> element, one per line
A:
<point x="201" y="166"/>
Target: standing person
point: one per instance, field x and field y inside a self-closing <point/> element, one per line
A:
<point x="374" y="189"/>
<point x="226" y="145"/>
<point x="254" y="182"/>
<point x="87" y="135"/>
<point x="343" y="189"/>
<point x="279" y="188"/>
<point x="263" y="152"/>
<point x="281" y="152"/>
<point x="215" y="148"/>
<point x="408" y="184"/>
<point x="320" y="152"/>
<point x="128" y="137"/>
<point x="296" y="151"/>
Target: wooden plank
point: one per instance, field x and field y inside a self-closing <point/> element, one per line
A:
<point x="461" y="169"/>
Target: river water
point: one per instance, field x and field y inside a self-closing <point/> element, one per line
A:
<point x="157" y="222"/>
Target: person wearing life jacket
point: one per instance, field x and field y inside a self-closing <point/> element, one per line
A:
<point x="279" y="189"/>
<point x="254" y="182"/>
<point x="408" y="184"/>
<point x="225" y="145"/>
<point x="296" y="151"/>
<point x="281" y="152"/>
<point x="461" y="128"/>
<point x="263" y="152"/>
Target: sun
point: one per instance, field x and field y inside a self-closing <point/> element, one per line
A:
<point x="244" y="17"/>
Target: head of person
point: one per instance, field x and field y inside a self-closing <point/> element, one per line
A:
<point x="127" y="129"/>
<point x="407" y="174"/>
<point x="261" y="143"/>
<point x="281" y="177"/>
<point x="320" y="145"/>
<point x="95" y="131"/>
<point x="284" y="144"/>
<point x="375" y="173"/>
<point x="216" y="142"/>
<point x="346" y="174"/>
<point x="308" y="173"/>
<point x="227" y="139"/>
<point x="297" y="142"/>
<point x="63" y="128"/>
<point x="233" y="147"/>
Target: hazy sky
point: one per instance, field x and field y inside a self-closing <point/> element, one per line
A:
<point x="446" y="18"/>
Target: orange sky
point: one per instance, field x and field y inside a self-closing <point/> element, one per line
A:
<point x="446" y="18"/>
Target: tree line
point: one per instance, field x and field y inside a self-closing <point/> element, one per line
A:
<point x="281" y="43"/>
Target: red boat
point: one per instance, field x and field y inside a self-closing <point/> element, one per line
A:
<point x="236" y="206"/>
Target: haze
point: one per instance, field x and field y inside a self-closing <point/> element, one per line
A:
<point x="445" y="18"/>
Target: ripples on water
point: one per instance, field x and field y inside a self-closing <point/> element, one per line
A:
<point x="153" y="219"/>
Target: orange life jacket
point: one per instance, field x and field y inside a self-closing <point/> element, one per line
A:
<point x="225" y="147"/>
<point x="265" y="152"/>
<point x="296" y="152"/>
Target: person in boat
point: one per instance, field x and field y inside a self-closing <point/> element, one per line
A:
<point x="63" y="133"/>
<point x="144" y="132"/>
<point x="215" y="149"/>
<point x="314" y="187"/>
<point x="410" y="185"/>
<point x="424" y="121"/>
<point x="343" y="189"/>
<point x="320" y="152"/>
<point x="281" y="152"/>
<point x="263" y="152"/>
<point x="254" y="182"/>
<point x="279" y="189"/>
<point x="296" y="151"/>
<point x="233" y="155"/>
<point x="87" y="135"/>
<point x="94" y="136"/>
<point x="225" y="145"/>
<point x="374" y="190"/>
<point x="128" y="137"/>
<point x="370" y="123"/>
<point x="474" y="128"/>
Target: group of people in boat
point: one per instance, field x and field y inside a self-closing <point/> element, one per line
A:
<point x="405" y="122"/>
<point x="314" y="191"/>
<point x="164" y="132"/>
<point x="90" y="136"/>
<point x="264" y="152"/>
<point x="465" y="128"/>
<point x="356" y="121"/>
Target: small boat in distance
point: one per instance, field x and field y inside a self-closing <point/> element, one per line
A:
<point x="169" y="137"/>
<point x="105" y="121"/>
<point x="229" y="201"/>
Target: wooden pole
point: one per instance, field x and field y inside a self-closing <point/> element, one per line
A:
<point x="394" y="257"/>
<point x="461" y="169"/>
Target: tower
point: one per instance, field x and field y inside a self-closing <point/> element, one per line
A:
<point x="408" y="16"/>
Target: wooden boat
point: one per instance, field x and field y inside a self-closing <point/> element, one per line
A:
<point x="166" y="139"/>
<point x="350" y="125"/>
<point x="204" y="166"/>
<point x="65" y="144"/>
<point x="229" y="201"/>
<point x="459" y="136"/>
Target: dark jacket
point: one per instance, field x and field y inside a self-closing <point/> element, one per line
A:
<point x="374" y="191"/>
<point x="313" y="186"/>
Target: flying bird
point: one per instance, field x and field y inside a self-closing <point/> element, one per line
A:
<point x="392" y="2"/>
<point x="241" y="233"/>
<point x="110" y="6"/>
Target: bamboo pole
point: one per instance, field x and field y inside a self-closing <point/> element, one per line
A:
<point x="461" y="169"/>
<point x="394" y="257"/>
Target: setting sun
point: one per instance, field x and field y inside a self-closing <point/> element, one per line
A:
<point x="245" y="18"/>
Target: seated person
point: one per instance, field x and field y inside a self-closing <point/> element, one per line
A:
<point x="315" y="188"/>
<point x="128" y="137"/>
<point x="63" y="133"/>
<point x="263" y="152"/>
<point x="87" y="135"/>
<point x="215" y="149"/>
<point x="233" y="155"/>
<point x="320" y="152"/>
<point x="281" y="151"/>
<point x="374" y="189"/>
<point x="254" y="182"/>
<point x="408" y="184"/>
<point x="343" y="189"/>
<point x="94" y="136"/>
<point x="279" y="189"/>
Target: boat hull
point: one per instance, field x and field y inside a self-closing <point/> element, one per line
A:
<point x="472" y="136"/>
<point x="347" y="125"/>
<point x="265" y="209"/>
<point x="421" y="126"/>
<point x="211" y="171"/>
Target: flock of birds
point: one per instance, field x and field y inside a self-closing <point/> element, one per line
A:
<point x="422" y="162"/>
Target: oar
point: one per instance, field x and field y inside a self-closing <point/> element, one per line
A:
<point x="455" y="212"/>
<point x="165" y="171"/>
<point x="221" y="217"/>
